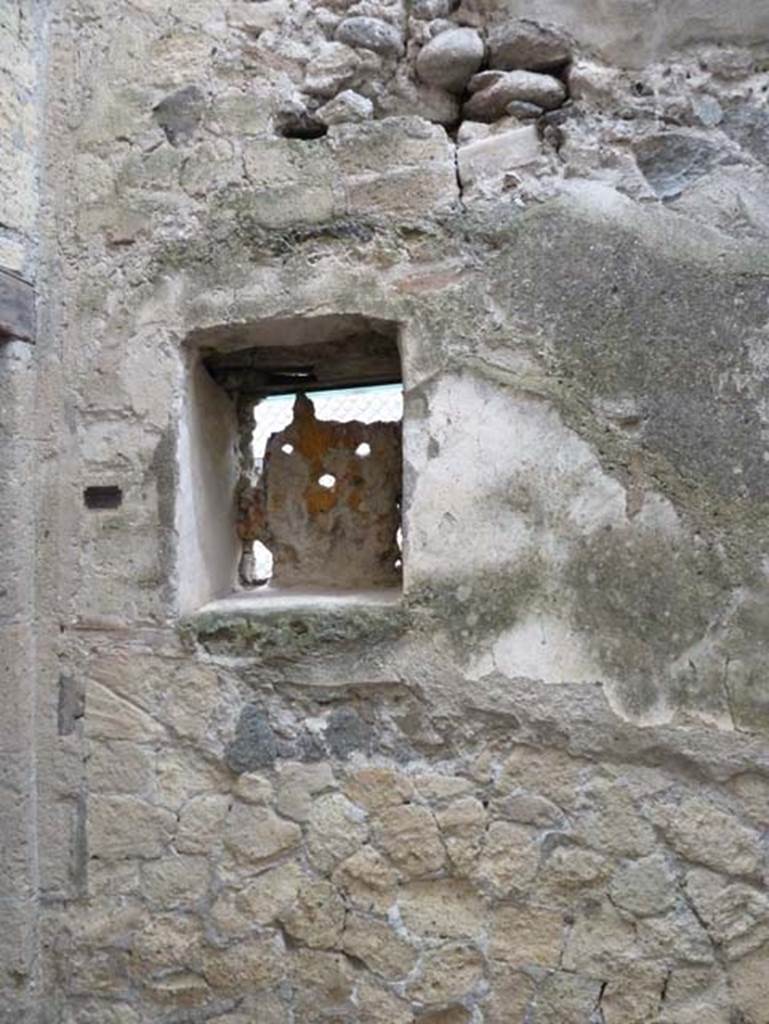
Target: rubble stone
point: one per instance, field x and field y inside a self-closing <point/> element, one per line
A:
<point x="527" y="45"/>
<point x="450" y="59"/>
<point x="346" y="106"/>
<point x="492" y="92"/>
<point x="371" y="33"/>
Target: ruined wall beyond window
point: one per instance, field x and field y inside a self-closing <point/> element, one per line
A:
<point x="329" y="515"/>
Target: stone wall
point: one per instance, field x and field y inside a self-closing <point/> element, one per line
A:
<point x="22" y="30"/>
<point x="537" y="788"/>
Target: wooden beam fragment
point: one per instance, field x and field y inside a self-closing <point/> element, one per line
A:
<point x="17" y="307"/>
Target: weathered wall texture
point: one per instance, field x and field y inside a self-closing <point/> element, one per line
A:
<point x="537" y="789"/>
<point x="21" y="46"/>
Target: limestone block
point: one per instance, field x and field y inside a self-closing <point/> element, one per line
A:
<point x="490" y="157"/>
<point x="432" y="786"/>
<point x="400" y="165"/>
<point x="451" y="1015"/>
<point x="210" y="167"/>
<point x="175" y="881"/>
<point x="753" y="793"/>
<point x="611" y="823"/>
<point x="242" y="113"/>
<point x="179" y="989"/>
<point x="259" y="901"/>
<point x="677" y="934"/>
<point x="510" y="993"/>
<point x="378" y="1006"/>
<point x="324" y="984"/>
<point x="201" y="823"/>
<point x="367" y="880"/>
<point x="175" y="58"/>
<point x="126" y="826"/>
<point x="524" y="934"/>
<point x="599" y="941"/>
<point x="565" y="998"/>
<point x="337" y="828"/>
<point x="529" y="809"/>
<point x="182" y="773"/>
<point x="167" y="942"/>
<point x="110" y="716"/>
<point x="194" y="696"/>
<point x="633" y="996"/>
<point x="704" y="833"/>
<point x="644" y="887"/>
<point x="292" y="181"/>
<point x="378" y="946"/>
<point x="735" y="915"/>
<point x="317" y="915"/>
<point x="697" y="995"/>
<point x="251" y="964"/>
<point x="551" y="773"/>
<point x="569" y="870"/>
<point x="408" y="835"/>
<point x="395" y="142"/>
<point x="444" y="907"/>
<point x="462" y="826"/>
<point x="376" y="788"/>
<point x="257" y="834"/>
<point x="120" y="767"/>
<point x="509" y="859"/>
<point x="750" y="983"/>
<point x="451" y="972"/>
<point x="297" y="785"/>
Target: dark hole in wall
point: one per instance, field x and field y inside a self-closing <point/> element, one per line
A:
<point x="299" y="125"/>
<point x="103" y="497"/>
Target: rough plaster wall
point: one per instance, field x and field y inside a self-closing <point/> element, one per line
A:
<point x="537" y="790"/>
<point x="21" y="50"/>
<point x="208" y="555"/>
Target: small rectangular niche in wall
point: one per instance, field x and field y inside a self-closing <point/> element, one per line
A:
<point x="291" y="447"/>
<point x="101" y="497"/>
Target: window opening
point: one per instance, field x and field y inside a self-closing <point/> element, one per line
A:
<point x="360" y="409"/>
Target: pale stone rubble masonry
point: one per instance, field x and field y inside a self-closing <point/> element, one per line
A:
<point x="536" y="789"/>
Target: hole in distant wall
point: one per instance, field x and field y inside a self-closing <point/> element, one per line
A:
<point x="102" y="497"/>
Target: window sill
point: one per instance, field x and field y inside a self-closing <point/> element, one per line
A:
<point x="291" y="623"/>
